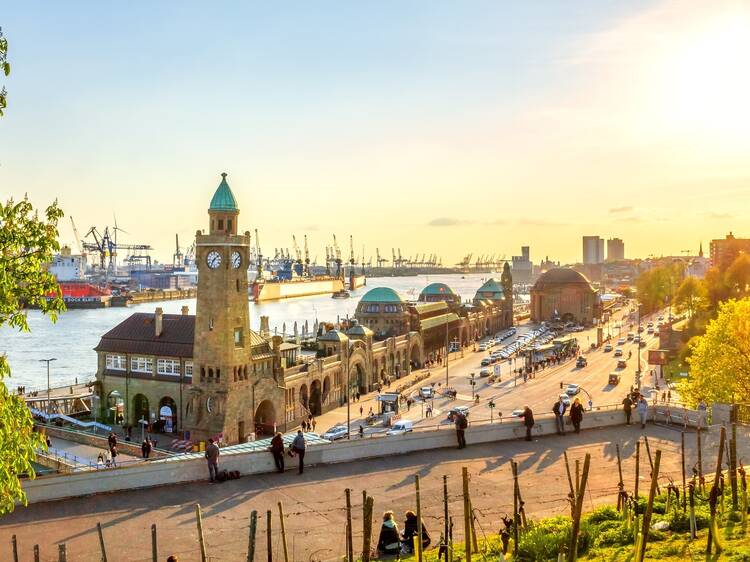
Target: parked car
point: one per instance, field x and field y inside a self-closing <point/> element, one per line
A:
<point x="572" y="389"/>
<point x="482" y="347"/>
<point x="607" y="347"/>
<point x="581" y="362"/>
<point x="650" y="330"/>
<point x="401" y="427"/>
<point x="335" y="433"/>
<point x="621" y="341"/>
<point x="642" y="343"/>
<point x="484" y="373"/>
<point x="458" y="409"/>
<point x="486" y="361"/>
<point x="631" y="336"/>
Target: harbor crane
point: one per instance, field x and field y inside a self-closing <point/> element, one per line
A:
<point x="297" y="251"/>
<point x="337" y="255"/>
<point x="177" y="257"/>
<point x="395" y="263"/>
<point x="190" y="254"/>
<point x="380" y="261"/>
<point x="307" y="258"/>
<point x="351" y="253"/>
<point x="77" y="236"/>
<point x="259" y="254"/>
<point x="363" y="259"/>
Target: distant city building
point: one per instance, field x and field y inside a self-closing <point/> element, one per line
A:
<point x="724" y="252"/>
<point x="522" y="266"/>
<point x="66" y="266"/>
<point x="564" y="295"/>
<point x="615" y="249"/>
<point x="593" y="250"/>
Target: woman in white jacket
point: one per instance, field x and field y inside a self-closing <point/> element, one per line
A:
<point x="642" y="409"/>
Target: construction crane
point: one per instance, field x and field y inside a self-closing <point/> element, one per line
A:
<point x="337" y="255"/>
<point x="400" y="259"/>
<point x="307" y="258"/>
<point x="363" y="259"/>
<point x="260" y="256"/>
<point x="190" y="254"/>
<point x="380" y="261"/>
<point x="78" y="237"/>
<point x="177" y="257"/>
<point x="297" y="251"/>
<point x="351" y="253"/>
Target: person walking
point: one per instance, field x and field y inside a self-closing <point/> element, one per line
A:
<point x="576" y="414"/>
<point x="627" y="407"/>
<point x="212" y="457"/>
<point x="558" y="408"/>
<point x="528" y="421"/>
<point x="277" y="450"/>
<point x="460" y="420"/>
<point x="145" y="448"/>
<point x="642" y="409"/>
<point x="298" y="446"/>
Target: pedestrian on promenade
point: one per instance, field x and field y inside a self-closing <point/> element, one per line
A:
<point x="112" y="440"/>
<point x="558" y="408"/>
<point x="627" y="407"/>
<point x="277" y="450"/>
<point x="669" y="396"/>
<point x="212" y="456"/>
<point x="145" y="448"/>
<point x="528" y="421"/>
<point x="361" y="410"/>
<point x="389" y="541"/>
<point x="576" y="414"/>
<point x="642" y="409"/>
<point x="113" y="452"/>
<point x="460" y="420"/>
<point x="298" y="446"/>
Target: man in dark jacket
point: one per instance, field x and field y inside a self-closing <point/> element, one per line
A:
<point x="145" y="448"/>
<point x="461" y="423"/>
<point x="627" y="406"/>
<point x="528" y="421"/>
<point x="277" y="450"/>
<point x="559" y="410"/>
<point x="212" y="456"/>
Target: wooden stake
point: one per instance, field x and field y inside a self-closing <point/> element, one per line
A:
<point x="201" y="540"/>
<point x="651" y="463"/>
<point x="693" y="525"/>
<point x="573" y="547"/>
<point x="713" y="496"/>
<point x="650" y="504"/>
<point x="154" y="549"/>
<point x="36" y="553"/>
<point x="467" y="513"/>
<point x="283" y="533"/>
<point x="621" y="484"/>
<point x="733" y="466"/>
<point x="269" y="545"/>
<point x="349" y="538"/>
<point x="516" y="518"/>
<point x="572" y="493"/>
<point x="637" y="468"/>
<point x="474" y="544"/>
<point x="367" y="529"/>
<point x="251" y="536"/>
<point x="578" y="477"/>
<point x="682" y="452"/>
<point x="419" y="520"/>
<point x="446" y="521"/>
<point x="14" y="541"/>
<point x="62" y="554"/>
<point x="101" y="542"/>
<point x="700" y="462"/>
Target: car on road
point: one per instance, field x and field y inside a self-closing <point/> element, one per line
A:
<point x="614" y="379"/>
<point x="631" y="335"/>
<point x="650" y="330"/>
<point x="426" y="392"/>
<point x="581" y="362"/>
<point x="517" y="413"/>
<point x="401" y="427"/>
<point x="642" y="343"/>
<point x="482" y="346"/>
<point x="565" y="399"/>
<point x="650" y="325"/>
<point x="621" y="341"/>
<point x="335" y="433"/>
<point x="622" y="364"/>
<point x="618" y="352"/>
<point x="485" y="362"/>
<point x="640" y="329"/>
<point x="660" y="319"/>
<point x="484" y="373"/>
<point x="458" y="410"/>
<point x="608" y="347"/>
<point x="572" y="389"/>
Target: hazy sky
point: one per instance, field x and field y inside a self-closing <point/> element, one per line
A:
<point x="436" y="126"/>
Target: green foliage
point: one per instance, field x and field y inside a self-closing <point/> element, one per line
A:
<point x="28" y="243"/>
<point x="615" y="534"/>
<point x="5" y="65"/>
<point x="604" y="513"/>
<point x="691" y="296"/>
<point x="656" y="287"/>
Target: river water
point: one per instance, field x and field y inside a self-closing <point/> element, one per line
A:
<point x="72" y="339"/>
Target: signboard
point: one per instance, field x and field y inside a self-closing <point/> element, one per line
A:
<point x="657" y="357"/>
<point x="497" y="369"/>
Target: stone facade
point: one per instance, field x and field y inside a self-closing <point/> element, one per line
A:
<point x="564" y="295"/>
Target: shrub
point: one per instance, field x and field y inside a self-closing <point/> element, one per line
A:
<point x="544" y="540"/>
<point x="605" y="513"/>
<point x="617" y="535"/>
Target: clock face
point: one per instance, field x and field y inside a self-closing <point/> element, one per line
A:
<point x="236" y="260"/>
<point x="213" y="259"/>
<point x="208" y="404"/>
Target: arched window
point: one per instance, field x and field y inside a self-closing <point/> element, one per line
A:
<point x="218" y="374"/>
<point x="234" y="374"/>
<point x="210" y="373"/>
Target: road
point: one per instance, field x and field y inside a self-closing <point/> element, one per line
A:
<point x="539" y="393"/>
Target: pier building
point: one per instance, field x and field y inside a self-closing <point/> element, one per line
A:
<point x="566" y="295"/>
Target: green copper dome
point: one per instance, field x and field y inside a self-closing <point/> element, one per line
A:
<point x="223" y="199"/>
<point x="382" y="295"/>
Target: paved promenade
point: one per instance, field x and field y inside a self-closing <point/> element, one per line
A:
<point x="314" y="502"/>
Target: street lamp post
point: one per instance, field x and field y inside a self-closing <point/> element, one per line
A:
<point x="48" y="361"/>
<point x="491" y="406"/>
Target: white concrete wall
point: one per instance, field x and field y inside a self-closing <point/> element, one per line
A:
<point x="161" y="472"/>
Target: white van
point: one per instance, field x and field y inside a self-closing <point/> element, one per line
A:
<point x="401" y="427"/>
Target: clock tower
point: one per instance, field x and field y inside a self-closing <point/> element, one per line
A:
<point x="220" y="398"/>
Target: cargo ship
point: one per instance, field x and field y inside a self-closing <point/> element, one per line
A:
<point x="81" y="294"/>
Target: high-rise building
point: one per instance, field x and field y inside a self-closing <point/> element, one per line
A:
<point x="724" y="252"/>
<point x="593" y="249"/>
<point x="522" y="266"/>
<point x="615" y="249"/>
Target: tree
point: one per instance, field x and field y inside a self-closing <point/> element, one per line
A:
<point x="691" y="296"/>
<point x="716" y="287"/>
<point x="738" y="276"/>
<point x="655" y="287"/>
<point x="5" y="66"/>
<point x="27" y="244"/>
<point x="720" y="359"/>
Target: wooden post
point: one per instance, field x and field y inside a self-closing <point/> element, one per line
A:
<point x="578" y="477"/>
<point x="474" y="544"/>
<point x="419" y="519"/>
<point x="712" y="529"/>
<point x="283" y="533"/>
<point x="14" y="541"/>
<point x="682" y="452"/>
<point x="573" y="547"/>
<point x="620" y="484"/>
<point x="743" y="484"/>
<point x="650" y="504"/>
<point x="445" y="511"/>
<point x="651" y="463"/>
<point x="693" y="525"/>
<point x="269" y="544"/>
<point x="101" y="542"/>
<point x="516" y="517"/>
<point x="637" y="468"/>
<point x="36" y="553"/>
<point x="733" y="466"/>
<point x="367" y="530"/>
<point x="700" y="461"/>
<point x="349" y="538"/>
<point x="201" y="540"/>
<point x="251" y="536"/>
<point x="467" y="513"/>
<point x="567" y="470"/>
<point x="62" y="554"/>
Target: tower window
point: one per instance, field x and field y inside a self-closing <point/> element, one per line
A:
<point x="229" y="224"/>
<point x="238" y="340"/>
<point x="237" y="281"/>
<point x="218" y="375"/>
<point x="221" y="224"/>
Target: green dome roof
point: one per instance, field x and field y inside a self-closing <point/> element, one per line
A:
<point x="382" y="294"/>
<point x="491" y="286"/>
<point x="439" y="289"/>
<point x="334" y="335"/>
<point x="223" y="199"/>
